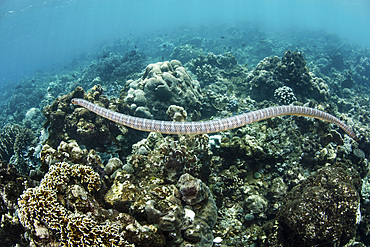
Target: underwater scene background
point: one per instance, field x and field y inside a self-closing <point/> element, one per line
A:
<point x="69" y="177"/>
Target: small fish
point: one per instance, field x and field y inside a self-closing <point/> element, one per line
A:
<point x="18" y="87"/>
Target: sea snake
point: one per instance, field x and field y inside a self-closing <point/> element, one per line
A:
<point x="211" y="126"/>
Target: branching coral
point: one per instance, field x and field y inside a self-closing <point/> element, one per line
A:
<point x="42" y="211"/>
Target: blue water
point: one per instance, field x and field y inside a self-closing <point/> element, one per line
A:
<point x="43" y="35"/>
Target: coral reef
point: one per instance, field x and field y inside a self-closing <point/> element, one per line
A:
<point x="11" y="186"/>
<point x="112" y="66"/>
<point x="283" y="175"/>
<point x="175" y="183"/>
<point x="66" y="208"/>
<point x="185" y="214"/>
<point x="291" y="71"/>
<point x="66" y="122"/>
<point x="17" y="146"/>
<point x="322" y="209"/>
<point x="362" y="70"/>
<point x="185" y="53"/>
<point x="163" y="84"/>
<point x="33" y="119"/>
<point x="212" y="69"/>
<point x="24" y="100"/>
<point x="294" y="73"/>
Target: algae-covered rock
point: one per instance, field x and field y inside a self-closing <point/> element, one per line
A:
<point x="256" y="204"/>
<point x="290" y="71"/>
<point x="112" y="165"/>
<point x="321" y="210"/>
<point x="66" y="122"/>
<point x="176" y="113"/>
<point x="242" y="147"/>
<point x="193" y="190"/>
<point x="184" y="214"/>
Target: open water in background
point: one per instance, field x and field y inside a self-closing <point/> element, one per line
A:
<point x="43" y="35"/>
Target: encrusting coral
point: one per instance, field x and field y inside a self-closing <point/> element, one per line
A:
<point x="284" y="95"/>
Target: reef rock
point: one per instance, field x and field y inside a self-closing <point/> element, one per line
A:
<point x="66" y="207"/>
<point x="193" y="191"/>
<point x="322" y="209"/>
<point x="66" y="122"/>
<point x="185" y="213"/>
<point x="290" y="71"/>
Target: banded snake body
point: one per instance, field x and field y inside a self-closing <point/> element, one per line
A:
<point x="211" y="126"/>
